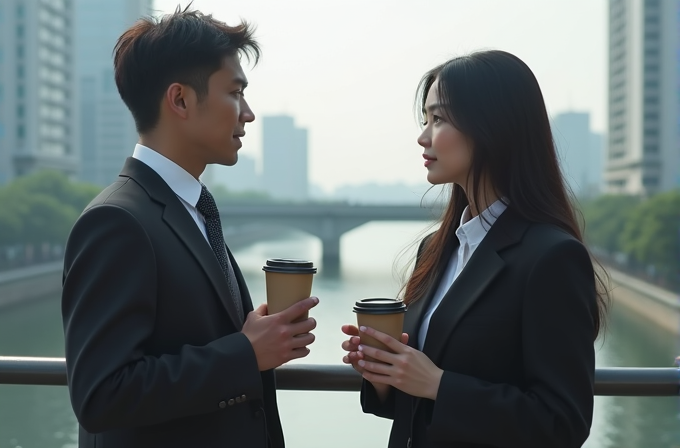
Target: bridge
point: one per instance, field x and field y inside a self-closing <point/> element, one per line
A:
<point x="326" y="221"/>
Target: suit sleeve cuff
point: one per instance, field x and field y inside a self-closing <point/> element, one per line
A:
<point x="371" y="404"/>
<point x="242" y="375"/>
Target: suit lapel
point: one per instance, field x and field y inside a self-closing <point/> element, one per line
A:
<point x="178" y="219"/>
<point x="243" y="288"/>
<point x="416" y="311"/>
<point x="480" y="271"/>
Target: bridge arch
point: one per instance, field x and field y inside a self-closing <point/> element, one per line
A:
<point x="326" y="221"/>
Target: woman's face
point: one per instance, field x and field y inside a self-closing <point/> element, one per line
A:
<point x="447" y="152"/>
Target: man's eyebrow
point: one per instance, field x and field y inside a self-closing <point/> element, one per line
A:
<point x="241" y="81"/>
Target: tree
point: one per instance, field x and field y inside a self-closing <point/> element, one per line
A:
<point x="605" y="219"/>
<point x="10" y="220"/>
<point x="652" y="234"/>
<point x="41" y="208"/>
<point x="58" y="186"/>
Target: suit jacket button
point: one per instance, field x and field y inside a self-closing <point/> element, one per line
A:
<point x="243" y="398"/>
<point x="223" y="404"/>
<point x="238" y="399"/>
<point x="231" y="402"/>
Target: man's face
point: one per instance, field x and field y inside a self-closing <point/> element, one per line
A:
<point x="217" y="123"/>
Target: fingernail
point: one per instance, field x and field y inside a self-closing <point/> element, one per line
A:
<point x="361" y="348"/>
<point x="361" y="362"/>
<point x="315" y="299"/>
<point x="362" y="328"/>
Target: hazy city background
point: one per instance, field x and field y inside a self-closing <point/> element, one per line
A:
<point x="333" y="96"/>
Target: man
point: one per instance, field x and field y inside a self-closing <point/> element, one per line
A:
<point x="163" y="348"/>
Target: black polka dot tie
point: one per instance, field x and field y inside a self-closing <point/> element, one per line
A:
<point x="213" y="226"/>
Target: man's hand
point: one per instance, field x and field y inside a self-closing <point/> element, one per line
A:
<point x="275" y="339"/>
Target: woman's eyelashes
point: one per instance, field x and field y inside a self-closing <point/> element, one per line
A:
<point x="435" y="120"/>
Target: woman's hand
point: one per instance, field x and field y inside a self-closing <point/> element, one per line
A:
<point x="351" y="346"/>
<point x="353" y="356"/>
<point x="407" y="369"/>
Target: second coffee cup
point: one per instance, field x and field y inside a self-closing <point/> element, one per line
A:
<point x="385" y="315"/>
<point x="288" y="281"/>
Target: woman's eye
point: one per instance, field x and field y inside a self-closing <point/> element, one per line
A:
<point x="436" y="119"/>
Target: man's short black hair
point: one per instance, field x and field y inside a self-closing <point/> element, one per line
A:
<point x="185" y="47"/>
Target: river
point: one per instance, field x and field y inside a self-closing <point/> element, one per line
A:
<point x="41" y="417"/>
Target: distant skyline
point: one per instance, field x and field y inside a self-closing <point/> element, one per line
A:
<point x="347" y="71"/>
<point x="581" y="153"/>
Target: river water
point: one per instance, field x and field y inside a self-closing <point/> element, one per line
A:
<point x="41" y="417"/>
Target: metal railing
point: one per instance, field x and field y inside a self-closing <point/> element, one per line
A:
<point x="611" y="381"/>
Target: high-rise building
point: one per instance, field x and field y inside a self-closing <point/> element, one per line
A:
<point x="580" y="152"/>
<point x="284" y="158"/>
<point x="107" y="130"/>
<point x="37" y="84"/>
<point x="643" y="154"/>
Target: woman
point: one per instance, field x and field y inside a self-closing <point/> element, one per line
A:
<point x="503" y="307"/>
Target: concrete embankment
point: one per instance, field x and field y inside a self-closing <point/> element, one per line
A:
<point x="18" y="285"/>
<point x="660" y="306"/>
<point x="34" y="282"/>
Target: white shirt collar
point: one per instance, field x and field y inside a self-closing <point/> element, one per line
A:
<point x="473" y="230"/>
<point x="179" y="180"/>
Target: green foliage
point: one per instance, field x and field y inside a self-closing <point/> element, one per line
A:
<point x="605" y="219"/>
<point x="647" y="231"/>
<point x="41" y="208"/>
<point x="652" y="233"/>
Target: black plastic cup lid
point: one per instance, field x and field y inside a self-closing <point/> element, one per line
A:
<point x="289" y="266"/>
<point x="379" y="306"/>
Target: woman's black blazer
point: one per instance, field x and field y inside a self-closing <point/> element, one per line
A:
<point x="514" y="335"/>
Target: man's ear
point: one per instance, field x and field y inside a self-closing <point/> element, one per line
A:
<point x="176" y="99"/>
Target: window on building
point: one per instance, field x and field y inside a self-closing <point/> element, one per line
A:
<point x="650" y="181"/>
<point x="20" y="111"/>
<point x="20" y="71"/>
<point x="20" y="31"/>
<point x="20" y="91"/>
<point x="20" y="10"/>
<point x="21" y="131"/>
<point x="20" y="51"/>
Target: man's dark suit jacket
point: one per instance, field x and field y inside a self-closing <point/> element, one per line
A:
<point x="514" y="336"/>
<point x="154" y="355"/>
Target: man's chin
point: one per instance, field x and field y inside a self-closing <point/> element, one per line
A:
<point x="227" y="161"/>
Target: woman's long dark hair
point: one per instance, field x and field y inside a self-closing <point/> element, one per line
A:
<point x="494" y="99"/>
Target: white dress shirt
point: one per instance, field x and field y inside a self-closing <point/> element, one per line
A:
<point x="183" y="184"/>
<point x="470" y="233"/>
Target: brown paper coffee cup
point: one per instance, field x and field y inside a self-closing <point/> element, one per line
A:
<point x="384" y="315"/>
<point x="288" y="281"/>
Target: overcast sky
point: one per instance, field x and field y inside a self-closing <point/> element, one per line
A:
<point x="347" y="70"/>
